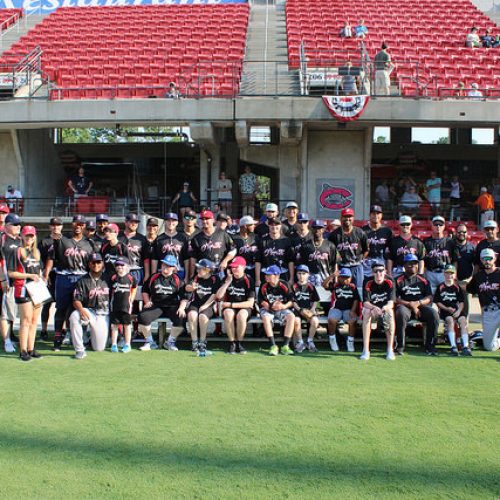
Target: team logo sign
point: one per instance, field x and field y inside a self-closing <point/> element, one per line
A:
<point x="335" y="197"/>
<point x="346" y="108"/>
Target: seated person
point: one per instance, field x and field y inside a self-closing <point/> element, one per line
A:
<point x="449" y="298"/>
<point x="413" y="301"/>
<point x="275" y="302"/>
<point x="488" y="39"/>
<point x="474" y="92"/>
<point x="344" y="306"/>
<point x="379" y="294"/>
<point x="472" y="40"/>
<point x="198" y="304"/>
<point x="161" y="296"/>
<point x="349" y="85"/>
<point x="361" y="30"/>
<point x="238" y="299"/>
<point x="346" y="31"/>
<point x="410" y="201"/>
<point x="305" y="301"/>
<point x="172" y="93"/>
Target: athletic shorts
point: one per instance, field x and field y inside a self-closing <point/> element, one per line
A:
<point x="22" y="300"/>
<point x="339" y="315"/>
<point x="444" y="314"/>
<point x="120" y="318"/>
<point x="237" y="311"/>
<point x="9" y="309"/>
<point x="209" y="313"/>
<point x="147" y="316"/>
<point x="278" y="317"/>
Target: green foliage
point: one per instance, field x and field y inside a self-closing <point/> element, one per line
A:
<point x="112" y="136"/>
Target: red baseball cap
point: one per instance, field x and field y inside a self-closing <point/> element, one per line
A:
<point x="207" y="214"/>
<point x="4" y="208"/>
<point x="113" y="228"/>
<point x="28" y="230"/>
<point x="347" y="212"/>
<point x="238" y="261"/>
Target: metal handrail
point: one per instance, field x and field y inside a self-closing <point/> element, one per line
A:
<point x="9" y="26"/>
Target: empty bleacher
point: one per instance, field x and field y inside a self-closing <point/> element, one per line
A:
<point x="424" y="37"/>
<point x="8" y="17"/>
<point x="135" y="51"/>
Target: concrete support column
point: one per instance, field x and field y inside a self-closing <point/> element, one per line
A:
<point x="11" y="161"/>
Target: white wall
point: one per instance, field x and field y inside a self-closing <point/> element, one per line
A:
<point x="10" y="162"/>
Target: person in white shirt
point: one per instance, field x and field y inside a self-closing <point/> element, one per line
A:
<point x="13" y="194"/>
<point x="475" y="93"/>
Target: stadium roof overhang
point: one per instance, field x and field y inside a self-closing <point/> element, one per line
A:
<point x="253" y="110"/>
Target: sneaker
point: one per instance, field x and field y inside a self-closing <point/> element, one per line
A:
<point x="390" y="356"/>
<point x="240" y="349"/>
<point x="466" y="352"/>
<point x="80" y="354"/>
<point x="202" y="348"/>
<point x="121" y="343"/>
<point x="400" y="351"/>
<point x="365" y="356"/>
<point x="149" y="346"/>
<point x="274" y="351"/>
<point x="126" y="348"/>
<point x="9" y="346"/>
<point x="333" y="344"/>
<point x="350" y="346"/>
<point x="67" y="339"/>
<point x="299" y="347"/>
<point x="194" y="347"/>
<point x="232" y="348"/>
<point x="44" y="335"/>
<point x="286" y="350"/>
<point x="311" y="347"/>
<point x="114" y="348"/>
<point x="454" y="351"/>
<point x="24" y="356"/>
<point x="431" y="352"/>
<point x="169" y="345"/>
<point x="57" y="344"/>
<point x="35" y="354"/>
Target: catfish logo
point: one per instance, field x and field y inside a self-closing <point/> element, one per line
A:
<point x="334" y="197"/>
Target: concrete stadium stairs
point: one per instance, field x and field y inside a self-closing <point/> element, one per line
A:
<point x="260" y="77"/>
<point x="18" y="30"/>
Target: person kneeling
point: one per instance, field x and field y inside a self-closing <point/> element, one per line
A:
<point x="238" y="298"/>
<point x="305" y="301"/>
<point x="344" y="306"/>
<point x="275" y="301"/>
<point x="378" y="305"/>
<point x="199" y="304"/>
<point x="450" y="300"/>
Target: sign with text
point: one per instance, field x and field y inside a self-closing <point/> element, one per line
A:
<point x="333" y="195"/>
<point x="321" y="77"/>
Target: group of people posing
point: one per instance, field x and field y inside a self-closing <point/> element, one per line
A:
<point x="283" y="270"/>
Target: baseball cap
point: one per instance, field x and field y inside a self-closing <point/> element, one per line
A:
<point x="271" y="207"/>
<point x="131" y="217"/>
<point x="90" y="224"/>
<point x="246" y="220"/>
<point x="13" y="219"/>
<point x="302" y="267"/>
<point x="223" y="217"/>
<point x="4" y="208"/>
<point x="79" y="218"/>
<point x="410" y="257"/>
<point x="152" y="221"/>
<point x="336" y="222"/>
<point x="95" y="257"/>
<point x="405" y="219"/>
<point x="490" y="223"/>
<point x="317" y="223"/>
<point x="170" y="260"/>
<point x="206" y="214"/>
<point x="206" y="263"/>
<point x="121" y="261"/>
<point x="272" y="270"/>
<point x="55" y="221"/>
<point x="171" y="216"/>
<point x="28" y="230"/>
<point x="449" y="269"/>
<point x="376" y="265"/>
<point x="487" y="252"/>
<point x="113" y="228"/>
<point x="274" y="221"/>
<point x="291" y="204"/>
<point x="347" y="212"/>
<point x="474" y="85"/>
<point x="484" y="189"/>
<point x="238" y="261"/>
<point x="303" y="217"/>
<point x="438" y="218"/>
<point x="376" y="208"/>
<point x="345" y="272"/>
<point x="10" y="188"/>
<point x="101" y="217"/>
<point x="190" y="214"/>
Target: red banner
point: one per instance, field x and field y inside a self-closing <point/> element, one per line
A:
<point x="346" y="108"/>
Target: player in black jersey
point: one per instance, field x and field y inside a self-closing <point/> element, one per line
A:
<point x="112" y="249"/>
<point x="449" y="299"/>
<point x="379" y="295"/>
<point x="305" y="300"/>
<point x="150" y="245"/>
<point x="246" y="244"/>
<point x="72" y="256"/>
<point x="301" y="236"/>
<point x="137" y="247"/>
<point x="492" y="241"/>
<point x="379" y="237"/>
<point x="190" y="230"/>
<point x="237" y="296"/>
<point x="123" y="288"/>
<point x="198" y="304"/>
<point x="99" y="238"/>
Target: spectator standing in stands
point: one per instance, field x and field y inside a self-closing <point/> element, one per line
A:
<point x="383" y="69"/>
<point x="186" y="199"/>
<point x="486" y="205"/>
<point x="346" y="31"/>
<point x="472" y="40"/>
<point x="80" y="184"/>
<point x="361" y="30"/>
<point x="457" y="189"/>
<point x="434" y="190"/>
<point x="474" y="92"/>
<point x="486" y="285"/>
<point x="225" y="193"/>
<point x="12" y="195"/>
<point x="349" y="81"/>
<point x="248" y="184"/>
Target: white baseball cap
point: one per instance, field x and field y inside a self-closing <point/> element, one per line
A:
<point x="490" y="223"/>
<point x="438" y="218"/>
<point x="405" y="219"/>
<point x="246" y="220"/>
<point x="484" y="189"/>
<point x="487" y="252"/>
<point x="291" y="204"/>
<point x="271" y="207"/>
<point x="336" y="222"/>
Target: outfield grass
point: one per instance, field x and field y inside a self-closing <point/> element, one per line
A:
<point x="161" y="424"/>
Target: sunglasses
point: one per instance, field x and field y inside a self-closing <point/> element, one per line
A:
<point x="301" y="272"/>
<point x="487" y="259"/>
<point x="438" y="224"/>
<point x="189" y="217"/>
<point x="489" y="229"/>
<point x="411" y="263"/>
<point x="303" y="221"/>
<point x="94" y="262"/>
<point x="461" y="232"/>
<point x="378" y="270"/>
<point x="405" y="224"/>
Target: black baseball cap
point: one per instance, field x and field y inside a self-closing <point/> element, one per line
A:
<point x="131" y="217"/>
<point x="55" y="221"/>
<point x="152" y="221"/>
<point x="376" y="208"/>
<point x="95" y="257"/>
<point x="79" y="218"/>
<point x="90" y="224"/>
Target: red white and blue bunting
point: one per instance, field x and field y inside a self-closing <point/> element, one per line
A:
<point x="346" y="108"/>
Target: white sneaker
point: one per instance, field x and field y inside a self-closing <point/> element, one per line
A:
<point x="149" y="346"/>
<point x="350" y="345"/>
<point x="365" y="356"/>
<point x="9" y="347"/>
<point x="67" y="339"/>
<point x="333" y="343"/>
<point x="299" y="347"/>
<point x="170" y="346"/>
<point x="390" y="356"/>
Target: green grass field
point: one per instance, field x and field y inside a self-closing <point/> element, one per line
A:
<point x="171" y="425"/>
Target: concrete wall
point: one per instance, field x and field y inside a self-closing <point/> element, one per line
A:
<point x="10" y="162"/>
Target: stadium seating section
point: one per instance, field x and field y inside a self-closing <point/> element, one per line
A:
<point x="135" y="51"/>
<point x="426" y="32"/>
<point x="8" y="17"/>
